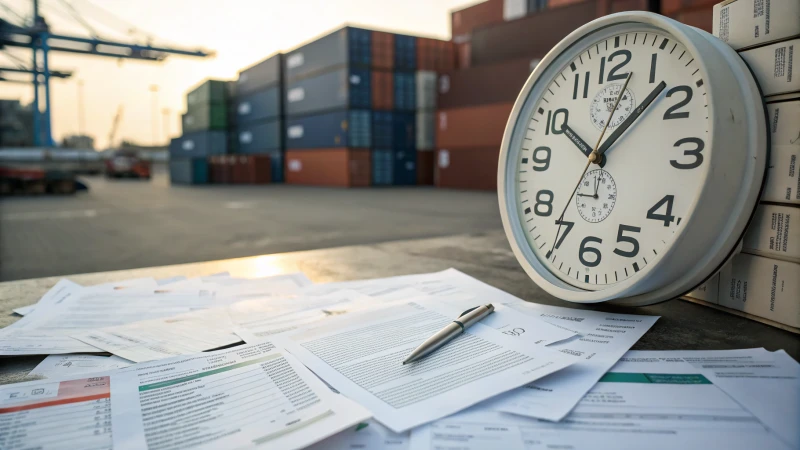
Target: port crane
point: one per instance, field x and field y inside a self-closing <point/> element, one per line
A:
<point x="41" y="40"/>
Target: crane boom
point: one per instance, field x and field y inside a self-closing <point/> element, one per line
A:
<point x="115" y="125"/>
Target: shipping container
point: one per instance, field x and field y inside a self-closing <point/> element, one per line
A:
<point x="252" y="169"/>
<point x="467" y="168"/>
<point x="702" y="17"/>
<point x="534" y="35"/>
<point x="463" y="55"/>
<point x="382" y="90"/>
<point x="259" y="106"/>
<point x="405" y="91"/>
<point x="188" y="171"/>
<point x="394" y="167"/>
<point x="405" y="52"/>
<point x="674" y="6"/>
<point x="425" y="167"/>
<point x="348" y="46"/>
<point x="473" y="126"/>
<point x="425" y="84"/>
<point x="481" y="85"/>
<point x="395" y="130"/>
<point x="435" y="55"/>
<point x="338" y="128"/>
<point x="209" y="92"/>
<point x="199" y="144"/>
<point x="205" y="117"/>
<point x="343" y="167"/>
<point x="426" y="130"/>
<point x="338" y="89"/>
<point x="465" y="21"/>
<point x="260" y="76"/>
<point x="382" y="50"/>
<point x="257" y="137"/>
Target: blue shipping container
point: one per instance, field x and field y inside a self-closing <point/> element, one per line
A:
<point x="394" y="167"/>
<point x="259" y="106"/>
<point x="344" y="128"/>
<point x="199" y="144"/>
<point x="393" y="129"/>
<point x="405" y="52"/>
<point x="188" y="171"/>
<point x="261" y="136"/>
<point x="339" y="89"/>
<point x="344" y="47"/>
<point x="405" y="91"/>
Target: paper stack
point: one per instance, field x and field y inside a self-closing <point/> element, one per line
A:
<point x="764" y="281"/>
<point x="279" y="362"/>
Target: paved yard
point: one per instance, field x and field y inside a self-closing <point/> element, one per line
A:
<point x="124" y="224"/>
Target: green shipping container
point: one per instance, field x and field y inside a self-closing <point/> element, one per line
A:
<point x="210" y="92"/>
<point x="205" y="117"/>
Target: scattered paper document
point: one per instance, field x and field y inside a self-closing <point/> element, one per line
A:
<point x="65" y="366"/>
<point x="233" y="398"/>
<point x="366" y="435"/>
<point x="361" y="356"/>
<point x="605" y="337"/>
<point x="766" y="383"/>
<point x="23" y="310"/>
<point x="643" y="403"/>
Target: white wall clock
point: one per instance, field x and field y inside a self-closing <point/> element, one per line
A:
<point x="643" y="204"/>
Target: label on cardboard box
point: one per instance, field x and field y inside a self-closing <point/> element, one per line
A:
<point x="774" y="232"/>
<point x="746" y="23"/>
<point x="783" y="182"/>
<point x="764" y="287"/>
<point x="775" y="66"/>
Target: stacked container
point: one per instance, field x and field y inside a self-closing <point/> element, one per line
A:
<point x="259" y="114"/>
<point x="328" y="96"/>
<point x="205" y="125"/>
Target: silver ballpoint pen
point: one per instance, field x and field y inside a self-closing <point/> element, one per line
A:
<point x="450" y="332"/>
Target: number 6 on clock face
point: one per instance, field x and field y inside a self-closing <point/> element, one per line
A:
<point x="680" y="125"/>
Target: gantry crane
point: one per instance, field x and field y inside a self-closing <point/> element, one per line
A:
<point x="39" y="38"/>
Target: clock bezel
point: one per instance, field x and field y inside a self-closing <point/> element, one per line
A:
<point x="651" y="284"/>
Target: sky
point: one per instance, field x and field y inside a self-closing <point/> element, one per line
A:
<point x="241" y="32"/>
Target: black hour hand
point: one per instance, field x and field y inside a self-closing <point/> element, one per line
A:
<point x="580" y="143"/>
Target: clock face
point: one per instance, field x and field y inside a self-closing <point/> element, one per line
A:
<point x="621" y="215"/>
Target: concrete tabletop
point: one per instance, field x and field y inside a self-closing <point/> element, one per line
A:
<point x="487" y="257"/>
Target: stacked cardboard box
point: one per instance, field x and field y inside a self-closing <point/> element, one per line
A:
<point x="498" y="44"/>
<point x="763" y="282"/>
<point x="204" y="127"/>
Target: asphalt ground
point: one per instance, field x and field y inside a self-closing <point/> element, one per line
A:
<point x="126" y="224"/>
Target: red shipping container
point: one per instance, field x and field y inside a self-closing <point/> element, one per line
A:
<point x="343" y="167"/>
<point x="473" y="126"/>
<point x="702" y="18"/>
<point x="492" y="83"/>
<point x="669" y="7"/>
<point x="463" y="55"/>
<point x="467" y="168"/>
<point x="436" y="55"/>
<point x="465" y="20"/>
<point x="559" y="3"/>
<point x="239" y="171"/>
<point x="226" y="169"/>
<point x="256" y="169"/>
<point x="382" y="50"/>
<point x="213" y="172"/>
<point x="382" y="90"/>
<point x="425" y="167"/>
<point x="632" y="5"/>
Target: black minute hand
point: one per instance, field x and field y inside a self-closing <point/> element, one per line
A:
<point x="632" y="118"/>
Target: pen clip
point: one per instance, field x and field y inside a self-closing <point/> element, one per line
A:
<point x="467" y="311"/>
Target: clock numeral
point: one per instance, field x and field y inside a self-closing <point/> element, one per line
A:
<point x="612" y="74"/>
<point x="577" y="84"/>
<point x="671" y="112"/>
<point x="539" y="160"/>
<point x="698" y="157"/>
<point x="622" y="238"/>
<point x="666" y="218"/>
<point x="584" y="249"/>
<point x="546" y="204"/>
<point x="653" y="68"/>
<point x="569" y="226"/>
<point x="552" y="118"/>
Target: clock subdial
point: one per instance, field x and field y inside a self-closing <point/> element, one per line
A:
<point x="604" y="100"/>
<point x="596" y="196"/>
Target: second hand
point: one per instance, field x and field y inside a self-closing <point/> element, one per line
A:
<point x="594" y="156"/>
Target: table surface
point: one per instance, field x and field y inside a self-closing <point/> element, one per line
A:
<point x="487" y="257"/>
